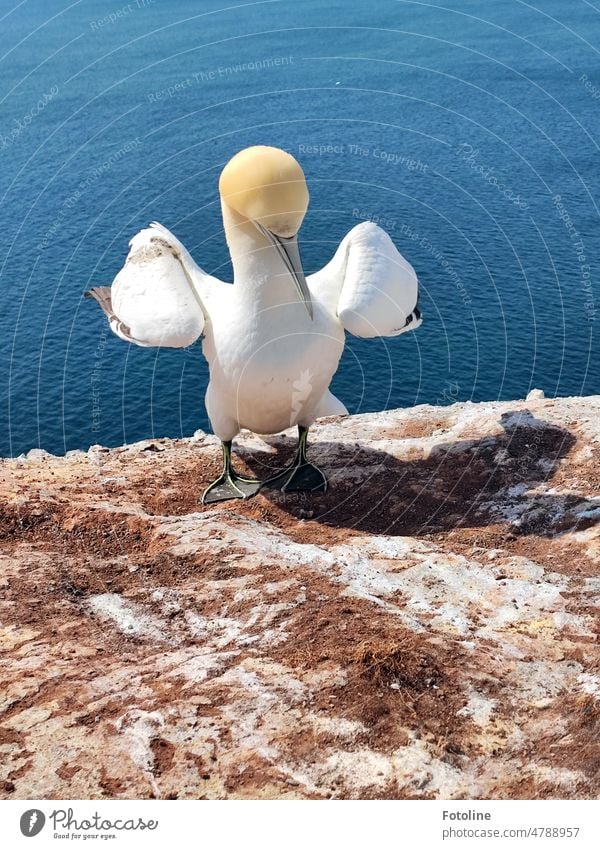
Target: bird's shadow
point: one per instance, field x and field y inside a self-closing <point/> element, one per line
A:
<point x="472" y="483"/>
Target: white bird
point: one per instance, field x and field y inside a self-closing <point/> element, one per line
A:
<point x="273" y="339"/>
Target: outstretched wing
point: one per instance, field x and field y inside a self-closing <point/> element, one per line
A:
<point x="369" y="285"/>
<point x="156" y="300"/>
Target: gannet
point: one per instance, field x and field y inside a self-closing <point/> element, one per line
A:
<point x="273" y="339"/>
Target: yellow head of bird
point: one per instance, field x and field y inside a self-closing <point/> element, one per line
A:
<point x="266" y="185"/>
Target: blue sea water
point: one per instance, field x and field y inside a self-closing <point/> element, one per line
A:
<point x="469" y="130"/>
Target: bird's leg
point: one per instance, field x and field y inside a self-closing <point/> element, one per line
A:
<point x="301" y="475"/>
<point x="229" y="484"/>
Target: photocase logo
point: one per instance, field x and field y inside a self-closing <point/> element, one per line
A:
<point x="32" y="822"/>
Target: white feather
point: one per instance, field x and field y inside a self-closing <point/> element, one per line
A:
<point x="373" y="287"/>
<point x="155" y="296"/>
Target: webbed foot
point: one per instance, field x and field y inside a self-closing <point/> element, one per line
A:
<point x="304" y="477"/>
<point x="229" y="484"/>
<point x="301" y="476"/>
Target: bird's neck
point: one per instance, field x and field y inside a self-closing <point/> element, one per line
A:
<point x="258" y="270"/>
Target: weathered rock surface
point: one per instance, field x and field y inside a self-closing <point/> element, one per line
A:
<point x="425" y="629"/>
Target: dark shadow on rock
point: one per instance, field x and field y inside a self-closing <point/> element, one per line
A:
<point x="468" y="484"/>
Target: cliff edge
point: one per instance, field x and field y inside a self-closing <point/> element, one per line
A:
<point x="426" y="629"/>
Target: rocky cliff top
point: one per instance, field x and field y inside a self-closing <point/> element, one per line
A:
<point x="426" y="629"/>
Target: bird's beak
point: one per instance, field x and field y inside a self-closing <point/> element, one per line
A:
<point x="287" y="248"/>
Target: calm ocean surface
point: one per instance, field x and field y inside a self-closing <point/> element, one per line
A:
<point x="469" y="130"/>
